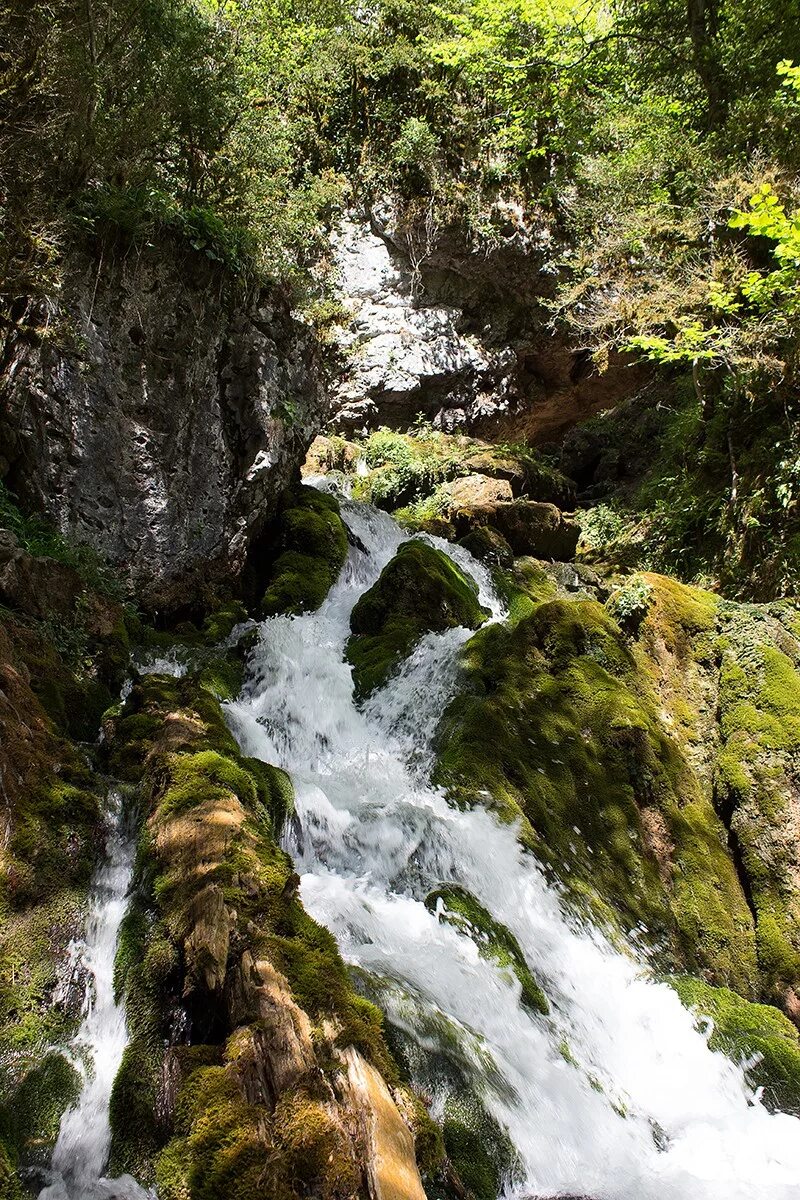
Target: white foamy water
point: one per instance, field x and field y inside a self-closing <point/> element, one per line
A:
<point x="84" y="1138"/>
<point x="638" y="1108"/>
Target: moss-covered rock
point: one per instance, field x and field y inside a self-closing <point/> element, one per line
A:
<point x="52" y="833"/>
<point x="529" y="527"/>
<point x="459" y="908"/>
<point x="480" y="1151"/>
<point x="312" y="540"/>
<point x="560" y="725"/>
<point x="408" y="471"/>
<point x="489" y="546"/>
<point x="235" y="996"/>
<point x="755" y="1035"/>
<point x="419" y="591"/>
<point x="757" y="778"/>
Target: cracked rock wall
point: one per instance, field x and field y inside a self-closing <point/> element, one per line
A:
<point x="155" y="410"/>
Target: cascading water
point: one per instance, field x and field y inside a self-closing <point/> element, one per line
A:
<point x="615" y="1094"/>
<point x="84" y="1138"/>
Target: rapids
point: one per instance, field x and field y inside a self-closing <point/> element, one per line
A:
<point x="84" y="1137"/>
<point x="615" y="1095"/>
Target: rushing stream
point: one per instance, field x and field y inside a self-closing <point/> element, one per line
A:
<point x="84" y="1138"/>
<point x="615" y="1095"/>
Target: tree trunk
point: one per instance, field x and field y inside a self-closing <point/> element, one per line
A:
<point x="703" y="22"/>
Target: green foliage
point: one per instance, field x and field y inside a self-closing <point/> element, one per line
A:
<point x="41" y="539"/>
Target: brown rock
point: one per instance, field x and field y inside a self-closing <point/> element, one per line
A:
<point x="391" y="1166"/>
<point x="477" y="490"/>
<point x="274" y="1054"/>
<point x="206" y="945"/>
<point x="38" y="587"/>
<point x="540" y="530"/>
<point x="330" y="454"/>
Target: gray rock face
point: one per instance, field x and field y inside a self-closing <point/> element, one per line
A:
<point x="405" y="355"/>
<point x="463" y="332"/>
<point x="163" y="426"/>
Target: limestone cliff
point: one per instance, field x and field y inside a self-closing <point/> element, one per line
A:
<point x="155" y="409"/>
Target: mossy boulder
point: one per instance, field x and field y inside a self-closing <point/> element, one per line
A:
<point x="756" y="1036"/>
<point x="458" y="907"/>
<point x="757" y="777"/>
<point x="217" y="944"/>
<point x="421" y="590"/>
<point x="408" y="471"/>
<point x="441" y="1055"/>
<point x="312" y="542"/>
<point x="489" y="546"/>
<point x="560" y="725"/>
<point x="333" y="453"/>
<point x="52" y="835"/>
<point x="482" y="1157"/>
<point x="537" y="529"/>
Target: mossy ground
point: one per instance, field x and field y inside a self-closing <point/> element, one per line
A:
<point x="420" y="590"/>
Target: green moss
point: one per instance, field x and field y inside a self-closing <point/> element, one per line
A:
<point x="223" y="676"/>
<point x="220" y="1149"/>
<point x="523" y="587"/>
<point x="136" y="1135"/>
<point x="34" y="1101"/>
<point x="36" y="1085"/>
<point x="459" y="907"/>
<point x="558" y="724"/>
<point x="196" y="778"/>
<point x="274" y="790"/>
<point x="220" y="1141"/>
<point x="756" y="774"/>
<point x="313" y="542"/>
<point x="420" y="590"/>
<point x="316" y="1152"/>
<point x="489" y="546"/>
<point x="428" y="1139"/>
<point x="299" y="584"/>
<point x="755" y="1035"/>
<point x="220" y="623"/>
<point x="478" y="1148"/>
<point x="226" y="1146"/>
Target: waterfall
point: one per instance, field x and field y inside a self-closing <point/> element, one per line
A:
<point x="615" y="1094"/>
<point x="84" y="1137"/>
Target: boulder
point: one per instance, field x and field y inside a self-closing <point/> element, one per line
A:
<point x="472" y="490"/>
<point x="419" y="591"/>
<point x="539" y="530"/>
<point x="312" y="540"/>
<point x="330" y="454"/>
